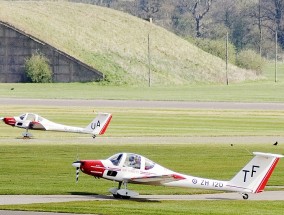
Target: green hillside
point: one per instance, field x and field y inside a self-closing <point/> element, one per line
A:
<point x="116" y="44"/>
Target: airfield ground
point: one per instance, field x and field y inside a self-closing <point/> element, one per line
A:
<point x="268" y="195"/>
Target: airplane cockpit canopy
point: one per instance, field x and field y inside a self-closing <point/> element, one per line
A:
<point x="131" y="160"/>
<point x="31" y="117"/>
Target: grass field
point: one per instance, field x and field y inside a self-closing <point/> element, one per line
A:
<point x="32" y="168"/>
<point x="37" y="167"/>
<point x="160" y="208"/>
<point x="262" y="91"/>
<point x="155" y="122"/>
<point x="46" y="169"/>
<point x="40" y="167"/>
<point x="247" y="92"/>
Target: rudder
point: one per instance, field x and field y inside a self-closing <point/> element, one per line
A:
<point x="99" y="124"/>
<point x="255" y="175"/>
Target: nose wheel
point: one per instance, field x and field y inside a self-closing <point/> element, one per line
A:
<point x="26" y="134"/>
<point x="122" y="193"/>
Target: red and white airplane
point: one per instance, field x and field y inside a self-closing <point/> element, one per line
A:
<point x="35" y="122"/>
<point x="127" y="168"/>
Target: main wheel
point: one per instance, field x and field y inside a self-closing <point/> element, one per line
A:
<point x="245" y="196"/>
<point x="117" y="196"/>
<point x="125" y="197"/>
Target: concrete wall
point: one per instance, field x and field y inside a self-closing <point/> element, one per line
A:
<point x="16" y="46"/>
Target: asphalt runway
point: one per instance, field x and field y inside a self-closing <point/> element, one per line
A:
<point x="29" y="199"/>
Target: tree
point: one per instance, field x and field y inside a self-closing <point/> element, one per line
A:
<point x="235" y="17"/>
<point x="198" y="9"/>
<point x="37" y="69"/>
<point x="148" y="8"/>
<point x="273" y="11"/>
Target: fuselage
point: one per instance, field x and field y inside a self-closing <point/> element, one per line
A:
<point x="36" y="122"/>
<point x="150" y="173"/>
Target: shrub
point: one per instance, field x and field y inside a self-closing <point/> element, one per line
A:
<point x="37" y="69"/>
<point x="249" y="59"/>
<point x="216" y="48"/>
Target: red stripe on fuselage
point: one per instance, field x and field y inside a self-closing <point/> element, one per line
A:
<point x="178" y="177"/>
<point x="266" y="177"/>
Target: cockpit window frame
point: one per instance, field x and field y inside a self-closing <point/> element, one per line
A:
<point x="149" y="164"/>
<point x="116" y="159"/>
<point x="133" y="160"/>
<point x="31" y="117"/>
<point x="22" y="117"/>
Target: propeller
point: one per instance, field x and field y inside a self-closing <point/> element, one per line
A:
<point x="77" y="164"/>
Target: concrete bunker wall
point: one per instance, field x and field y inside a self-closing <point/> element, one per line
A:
<point x="16" y="46"/>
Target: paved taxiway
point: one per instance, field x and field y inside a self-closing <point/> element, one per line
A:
<point x="29" y="199"/>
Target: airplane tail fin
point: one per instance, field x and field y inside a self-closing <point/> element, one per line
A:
<point x="255" y="175"/>
<point x="99" y="124"/>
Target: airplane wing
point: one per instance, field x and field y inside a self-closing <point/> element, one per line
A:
<point x="156" y="179"/>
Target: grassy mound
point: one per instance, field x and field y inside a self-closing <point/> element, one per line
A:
<point x="116" y="44"/>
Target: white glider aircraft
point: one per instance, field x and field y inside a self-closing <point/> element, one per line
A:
<point x="35" y="122"/>
<point x="127" y="168"/>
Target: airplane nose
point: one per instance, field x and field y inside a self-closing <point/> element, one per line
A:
<point x="90" y="167"/>
<point x="9" y="121"/>
<point x="77" y="164"/>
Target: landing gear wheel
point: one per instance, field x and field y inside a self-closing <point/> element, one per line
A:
<point x="117" y="196"/>
<point x="27" y="135"/>
<point x="125" y="197"/>
<point x="245" y="196"/>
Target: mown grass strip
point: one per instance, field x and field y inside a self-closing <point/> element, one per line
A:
<point x="158" y="208"/>
<point x="31" y="168"/>
<point x="246" y="92"/>
<point x="155" y="122"/>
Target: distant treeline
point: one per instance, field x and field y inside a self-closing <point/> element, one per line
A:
<point x="251" y="24"/>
